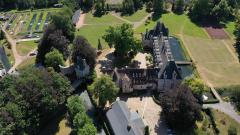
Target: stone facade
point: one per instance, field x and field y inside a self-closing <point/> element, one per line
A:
<point x="164" y="75"/>
<point x="81" y="69"/>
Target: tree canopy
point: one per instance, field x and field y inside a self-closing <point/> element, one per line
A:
<point x="122" y="37"/>
<point x="103" y="89"/>
<point x="82" y="124"/>
<point x="82" y="48"/>
<point x="180" y="108"/>
<point x="54" y="59"/>
<point x="29" y="99"/>
<point x="197" y="87"/>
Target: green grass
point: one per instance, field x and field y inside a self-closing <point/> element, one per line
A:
<point x="92" y="33"/>
<point x="36" y="21"/>
<point x="96" y="28"/>
<point x="175" y="23"/>
<point x="137" y="16"/>
<point x="223" y="122"/>
<point x="230" y="27"/>
<point x="107" y="19"/>
<point x="215" y="59"/>
<point x="24" y="48"/>
<point x="28" y="63"/>
<point x="43" y="20"/>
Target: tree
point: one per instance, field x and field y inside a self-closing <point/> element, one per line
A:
<point x="80" y="119"/>
<point x="83" y="49"/>
<point x="197" y="86"/>
<point x="158" y="7"/>
<point x="54" y="59"/>
<point x="232" y="130"/>
<point x="137" y="4"/>
<point x="149" y="6"/>
<point x="237" y="34"/>
<point x="63" y="21"/>
<point x="221" y="11"/>
<point x="235" y="95"/>
<point x="52" y="38"/>
<point x="99" y="45"/>
<point x="128" y="6"/>
<point x="103" y="89"/>
<point x="122" y="37"/>
<point x="88" y="129"/>
<point x="180" y="108"/>
<point x="29" y="99"/>
<point x="179" y="8"/>
<point x="201" y="9"/>
<point x="75" y="105"/>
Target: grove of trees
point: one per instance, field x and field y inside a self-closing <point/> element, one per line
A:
<point x="82" y="48"/>
<point x="218" y="10"/>
<point x="81" y="123"/>
<point x="25" y="4"/>
<point x="30" y="99"/>
<point x="180" y="109"/>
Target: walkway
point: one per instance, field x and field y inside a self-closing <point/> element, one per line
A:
<point x="81" y="20"/>
<point x="18" y="58"/>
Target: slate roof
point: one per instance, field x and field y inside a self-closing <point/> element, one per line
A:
<point x="124" y="122"/>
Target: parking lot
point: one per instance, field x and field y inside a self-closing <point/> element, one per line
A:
<point x="149" y="111"/>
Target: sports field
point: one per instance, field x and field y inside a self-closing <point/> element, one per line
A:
<point x="215" y="59"/>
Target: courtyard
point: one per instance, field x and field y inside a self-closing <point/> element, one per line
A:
<point x="149" y="111"/>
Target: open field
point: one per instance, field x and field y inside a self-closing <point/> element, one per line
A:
<point x="223" y="122"/>
<point x="94" y="28"/>
<point x="175" y="22"/>
<point x="215" y="60"/>
<point x="137" y="16"/>
<point x="24" y="48"/>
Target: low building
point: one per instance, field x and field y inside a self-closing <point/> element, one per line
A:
<point x="124" y="122"/>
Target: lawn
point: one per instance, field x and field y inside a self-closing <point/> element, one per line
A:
<point x="95" y="28"/>
<point x="223" y="122"/>
<point x="92" y="33"/>
<point x="176" y="23"/>
<point x="215" y="61"/>
<point x="107" y="19"/>
<point x="28" y="63"/>
<point x="24" y="48"/>
<point x="137" y="16"/>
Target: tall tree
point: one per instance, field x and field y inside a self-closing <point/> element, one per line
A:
<point x="54" y="59"/>
<point x="75" y="105"/>
<point x="221" y="11"/>
<point x="180" y="108"/>
<point x="197" y="86"/>
<point x="83" y="49"/>
<point x="201" y="9"/>
<point x="158" y="6"/>
<point x="237" y="34"/>
<point x="179" y="6"/>
<point x="103" y="89"/>
<point x="128" y="7"/>
<point x="28" y="100"/>
<point x="122" y="37"/>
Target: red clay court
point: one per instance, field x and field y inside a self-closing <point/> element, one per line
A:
<point x="216" y="33"/>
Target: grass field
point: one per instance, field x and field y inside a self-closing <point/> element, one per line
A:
<point x="95" y="28"/>
<point x="217" y="64"/>
<point x="28" y="63"/>
<point x="175" y="24"/>
<point x="223" y="122"/>
<point x="137" y="16"/>
<point x="24" y="48"/>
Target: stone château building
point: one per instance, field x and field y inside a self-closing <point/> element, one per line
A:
<point x="164" y="75"/>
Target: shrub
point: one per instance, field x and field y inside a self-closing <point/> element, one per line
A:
<point x="232" y="130"/>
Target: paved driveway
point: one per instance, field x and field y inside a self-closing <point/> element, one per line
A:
<point x="149" y="111"/>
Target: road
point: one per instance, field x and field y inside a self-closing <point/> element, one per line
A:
<point x="18" y="58"/>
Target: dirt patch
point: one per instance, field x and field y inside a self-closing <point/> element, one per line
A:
<point x="216" y="33"/>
